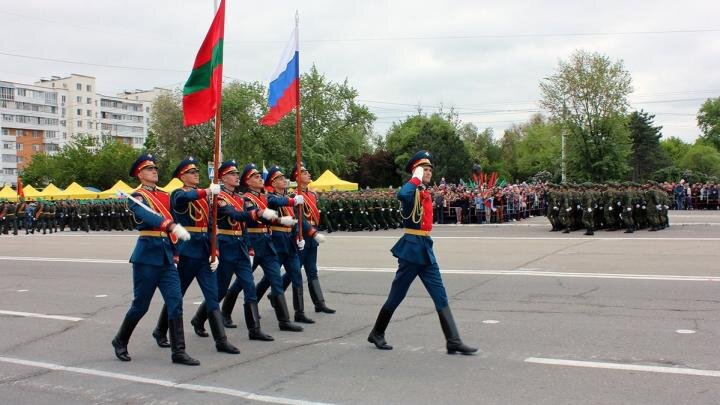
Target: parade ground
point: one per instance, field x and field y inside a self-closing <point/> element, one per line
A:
<point x="559" y="319"/>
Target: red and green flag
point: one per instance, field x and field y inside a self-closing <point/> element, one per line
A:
<point x="202" y="93"/>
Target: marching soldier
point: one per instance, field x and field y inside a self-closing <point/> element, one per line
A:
<point x="416" y="258"/>
<point x="285" y="242"/>
<point x="311" y="219"/>
<point x="234" y="255"/>
<point x="190" y="209"/>
<point x="265" y="254"/>
<point x="153" y="261"/>
<point x="11" y="219"/>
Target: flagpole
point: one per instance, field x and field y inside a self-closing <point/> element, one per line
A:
<point x="298" y="157"/>
<point x="216" y="161"/>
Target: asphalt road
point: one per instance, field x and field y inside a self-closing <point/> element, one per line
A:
<point x="560" y="319"/>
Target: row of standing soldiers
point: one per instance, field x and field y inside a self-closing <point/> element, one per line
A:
<point x="608" y="206"/>
<point x="359" y="211"/>
<point x="55" y="216"/>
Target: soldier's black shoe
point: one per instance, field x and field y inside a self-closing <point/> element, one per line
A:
<point x="198" y="321"/>
<point x="454" y="344"/>
<point x="567" y="230"/>
<point x="300" y="317"/>
<point x="160" y="331"/>
<point x="122" y="338"/>
<point x="589" y="232"/>
<point x="228" y="305"/>
<point x="377" y="334"/>
<point x="218" y="332"/>
<point x="177" y="344"/>
<point x="316" y="295"/>
<point x="252" y="320"/>
<point x="283" y="317"/>
<point x="299" y="305"/>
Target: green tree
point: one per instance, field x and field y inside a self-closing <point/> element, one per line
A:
<point x="538" y="149"/>
<point x="675" y="149"/>
<point x="647" y="155"/>
<point x="482" y="148"/>
<point x="709" y="121"/>
<point x="589" y="95"/>
<point x="702" y="159"/>
<point x="436" y="133"/>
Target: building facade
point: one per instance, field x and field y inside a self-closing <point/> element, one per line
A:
<point x="44" y="117"/>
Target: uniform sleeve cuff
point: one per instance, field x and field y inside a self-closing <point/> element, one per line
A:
<point x="254" y="215"/>
<point x="166" y="225"/>
<point x="291" y="202"/>
<point x="202" y="193"/>
<point x="312" y="232"/>
<point x="415" y="181"/>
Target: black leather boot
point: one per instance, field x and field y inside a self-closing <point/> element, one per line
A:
<point x="252" y="320"/>
<point x="228" y="305"/>
<point x="377" y="334"/>
<point x="454" y="344"/>
<point x="283" y="317"/>
<point x="299" y="306"/>
<point x="316" y="295"/>
<point x="218" y="332"/>
<point x="177" y="343"/>
<point x="261" y="288"/>
<point x="160" y="331"/>
<point x="122" y="338"/>
<point x="198" y="321"/>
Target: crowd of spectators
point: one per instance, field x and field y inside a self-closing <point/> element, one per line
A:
<point x="696" y="196"/>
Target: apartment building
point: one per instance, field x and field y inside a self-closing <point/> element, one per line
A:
<point x="45" y="116"/>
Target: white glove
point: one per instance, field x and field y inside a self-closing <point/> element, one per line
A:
<point x="589" y="209"/>
<point x="319" y="238"/>
<point x="666" y="207"/>
<point x="301" y="244"/>
<point x="567" y="209"/>
<point x="629" y="209"/>
<point x="619" y="203"/>
<point x="418" y="173"/>
<point x="657" y="206"/>
<point x="644" y="207"/>
<point x="299" y="200"/>
<point x="214" y="188"/>
<point x="269" y="214"/>
<point x="288" y="221"/>
<point x="609" y="208"/>
<point x="637" y="205"/>
<point x="181" y="233"/>
<point x="214" y="264"/>
<point x="578" y="206"/>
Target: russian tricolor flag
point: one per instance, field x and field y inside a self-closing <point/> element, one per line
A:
<point x="284" y="83"/>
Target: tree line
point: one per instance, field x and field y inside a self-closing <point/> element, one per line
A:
<point x="585" y="100"/>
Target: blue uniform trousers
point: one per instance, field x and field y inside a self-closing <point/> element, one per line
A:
<point x="429" y="275"/>
<point x="244" y="279"/>
<point x="189" y="269"/>
<point x="271" y="269"/>
<point x="146" y="278"/>
<point x="308" y="260"/>
<point x="291" y="264"/>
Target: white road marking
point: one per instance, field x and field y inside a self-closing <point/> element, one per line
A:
<point x="197" y="302"/>
<point x="661" y="277"/>
<point x="625" y="366"/>
<point x="163" y="383"/>
<point x="578" y="238"/>
<point x="101" y="296"/>
<point x="490" y="321"/>
<point x="685" y="331"/>
<point x="23" y="290"/>
<point x="477" y="272"/>
<point x="33" y="315"/>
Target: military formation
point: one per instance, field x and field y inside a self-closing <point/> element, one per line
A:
<point x="55" y="216"/>
<point x="369" y="210"/>
<point x="609" y="206"/>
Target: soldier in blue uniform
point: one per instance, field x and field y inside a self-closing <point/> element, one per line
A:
<point x="311" y="220"/>
<point x="265" y="254"/>
<point x="285" y="241"/>
<point x="234" y="254"/>
<point x="416" y="258"/>
<point x="191" y="209"/>
<point x="154" y="261"/>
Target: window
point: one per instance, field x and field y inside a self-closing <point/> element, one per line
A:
<point x="63" y="111"/>
<point x="79" y="112"/>
<point x="64" y="135"/>
<point x="20" y="159"/>
<point x="78" y="99"/>
<point x="7" y="93"/>
<point x="5" y="131"/>
<point x="36" y="148"/>
<point x="79" y="124"/>
<point x="63" y="99"/>
<point x="89" y="113"/>
<point x="9" y="158"/>
<point x="88" y="101"/>
<point x="88" y="88"/>
<point x="147" y="109"/>
<point x="78" y="86"/>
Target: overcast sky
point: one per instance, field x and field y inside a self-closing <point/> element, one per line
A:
<point x="483" y="58"/>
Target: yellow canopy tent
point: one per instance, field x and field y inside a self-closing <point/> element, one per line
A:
<point x="7" y="193"/>
<point x="175" y="183"/>
<point x="112" y="192"/>
<point x="31" y="193"/>
<point x="328" y="181"/>
<point x="77" y="191"/>
<point x="51" y="192"/>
